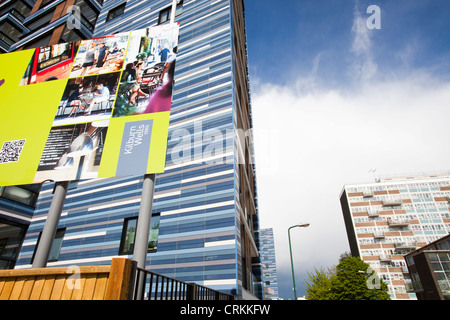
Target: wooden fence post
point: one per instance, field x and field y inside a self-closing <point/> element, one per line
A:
<point x="121" y="279"/>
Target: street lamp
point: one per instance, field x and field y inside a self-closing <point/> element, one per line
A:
<point x="303" y="225"/>
<point x="367" y="282"/>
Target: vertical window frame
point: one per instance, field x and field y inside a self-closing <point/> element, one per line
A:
<point x="123" y="236"/>
<point x="112" y="14"/>
<point x="59" y="231"/>
<point x="164" y="14"/>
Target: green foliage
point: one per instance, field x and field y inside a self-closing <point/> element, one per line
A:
<point x="142" y="56"/>
<point x="353" y="279"/>
<point x="319" y="285"/>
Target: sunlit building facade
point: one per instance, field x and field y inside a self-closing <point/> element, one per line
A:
<point x="205" y="226"/>
<point x="390" y="218"/>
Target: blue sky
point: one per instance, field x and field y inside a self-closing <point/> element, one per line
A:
<point x="331" y="100"/>
<point x="285" y="40"/>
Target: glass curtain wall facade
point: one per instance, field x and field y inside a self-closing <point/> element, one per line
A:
<point x="205" y="217"/>
<point x="389" y="219"/>
<point x="269" y="264"/>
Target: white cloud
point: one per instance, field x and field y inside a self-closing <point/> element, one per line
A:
<point x="323" y="139"/>
<point x="350" y="113"/>
<point x="363" y="67"/>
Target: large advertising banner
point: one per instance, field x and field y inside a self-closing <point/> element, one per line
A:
<point x="87" y="109"/>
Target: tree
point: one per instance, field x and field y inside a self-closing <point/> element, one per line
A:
<point x="344" y="255"/>
<point x="318" y="284"/>
<point x="355" y="280"/>
<point x="352" y="279"/>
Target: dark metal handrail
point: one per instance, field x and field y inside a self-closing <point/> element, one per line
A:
<point x="160" y="287"/>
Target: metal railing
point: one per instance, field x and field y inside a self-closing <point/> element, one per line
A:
<point x="154" y="286"/>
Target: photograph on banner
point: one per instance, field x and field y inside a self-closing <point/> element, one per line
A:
<point x="72" y="152"/>
<point x="51" y="63"/>
<point x="87" y="99"/>
<point x="42" y="119"/>
<point x="100" y="55"/>
<point x="147" y="78"/>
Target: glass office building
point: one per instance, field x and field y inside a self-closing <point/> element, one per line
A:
<point x="205" y="215"/>
<point x="269" y="264"/>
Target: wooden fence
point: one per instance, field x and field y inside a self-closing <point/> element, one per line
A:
<point x="112" y="282"/>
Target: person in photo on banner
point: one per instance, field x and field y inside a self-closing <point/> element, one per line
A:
<point x="103" y="53"/>
<point x="90" y="59"/>
<point x="161" y="98"/>
<point x="75" y="100"/>
<point x="101" y="95"/>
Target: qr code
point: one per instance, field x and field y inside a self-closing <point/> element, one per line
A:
<point x="11" y="150"/>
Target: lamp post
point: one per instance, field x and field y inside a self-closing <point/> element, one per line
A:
<point x="367" y="282"/>
<point x="303" y="225"/>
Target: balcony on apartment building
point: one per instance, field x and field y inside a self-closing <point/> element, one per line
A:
<point x="392" y="202"/>
<point x="367" y="193"/>
<point x="405" y="245"/>
<point x="379" y="234"/>
<point x="397" y="222"/>
<point x="53" y="16"/>
<point x="12" y="16"/>
<point x="385" y="258"/>
<point x="373" y="213"/>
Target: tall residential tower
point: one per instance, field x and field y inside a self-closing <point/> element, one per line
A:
<point x="205" y="225"/>
<point x="388" y="219"/>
